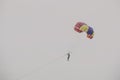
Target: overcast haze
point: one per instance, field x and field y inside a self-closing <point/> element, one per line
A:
<point x="35" y="35"/>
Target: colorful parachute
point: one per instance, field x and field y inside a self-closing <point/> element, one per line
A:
<point x="83" y="27"/>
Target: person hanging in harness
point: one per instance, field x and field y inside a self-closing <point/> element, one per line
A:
<point x="68" y="56"/>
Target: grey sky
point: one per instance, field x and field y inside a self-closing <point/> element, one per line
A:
<point x="36" y="34"/>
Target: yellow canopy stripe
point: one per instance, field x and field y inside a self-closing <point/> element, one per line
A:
<point x="84" y="28"/>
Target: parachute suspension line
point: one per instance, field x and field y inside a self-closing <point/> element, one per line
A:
<point x="39" y="68"/>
